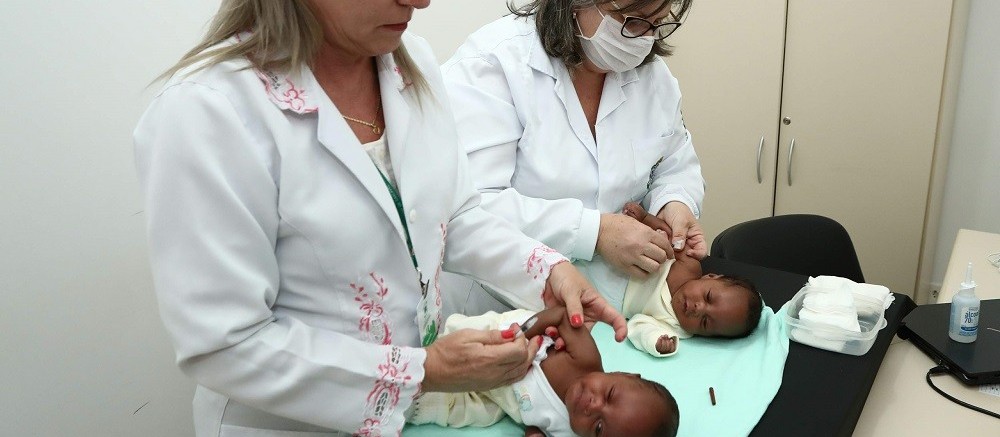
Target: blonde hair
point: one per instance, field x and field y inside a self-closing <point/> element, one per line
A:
<point x="283" y="35"/>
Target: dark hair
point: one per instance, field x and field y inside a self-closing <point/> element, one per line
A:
<point x="754" y="303"/>
<point x="557" y="29"/>
<point x="668" y="426"/>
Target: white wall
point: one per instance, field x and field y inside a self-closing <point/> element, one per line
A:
<point x="82" y="350"/>
<point x="972" y="184"/>
<point x="446" y="23"/>
<point x="82" y="347"/>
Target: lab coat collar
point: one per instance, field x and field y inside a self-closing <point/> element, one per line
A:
<point x="304" y="95"/>
<point x="539" y="60"/>
<point x="395" y="90"/>
<point x="288" y="94"/>
<point x="542" y="62"/>
<point x="612" y="96"/>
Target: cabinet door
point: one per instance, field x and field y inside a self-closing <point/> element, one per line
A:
<point x="728" y="61"/>
<point x="862" y="88"/>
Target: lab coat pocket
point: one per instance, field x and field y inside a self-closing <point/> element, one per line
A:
<point x="648" y="154"/>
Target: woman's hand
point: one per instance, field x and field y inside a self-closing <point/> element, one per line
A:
<point x="631" y="246"/>
<point x="686" y="233"/>
<point x="473" y="360"/>
<point x="553" y="332"/>
<point x="567" y="287"/>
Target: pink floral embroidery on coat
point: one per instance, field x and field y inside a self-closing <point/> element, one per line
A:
<point x="541" y="260"/>
<point x="403" y="82"/>
<point x="384" y="397"/>
<point x="369" y="429"/>
<point x="283" y="92"/>
<point x="279" y="88"/>
<point x="373" y="323"/>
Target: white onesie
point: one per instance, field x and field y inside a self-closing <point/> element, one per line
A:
<point x="530" y="401"/>
<point x="647" y="306"/>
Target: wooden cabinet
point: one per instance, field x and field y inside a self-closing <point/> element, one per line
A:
<point x="854" y="85"/>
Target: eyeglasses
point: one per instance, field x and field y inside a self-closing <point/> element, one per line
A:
<point x="635" y="27"/>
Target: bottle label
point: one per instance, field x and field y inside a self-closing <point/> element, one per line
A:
<point x="970" y="321"/>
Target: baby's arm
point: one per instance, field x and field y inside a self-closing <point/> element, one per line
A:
<point x="636" y="211"/>
<point x="685" y="268"/>
<point x="580" y="344"/>
<point x="655" y="337"/>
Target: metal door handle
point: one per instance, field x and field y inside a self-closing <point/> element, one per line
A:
<point x="759" y="148"/>
<point x="791" y="149"/>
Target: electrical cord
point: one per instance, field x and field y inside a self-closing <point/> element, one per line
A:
<point x="944" y="369"/>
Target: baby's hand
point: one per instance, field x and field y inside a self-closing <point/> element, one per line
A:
<point x="666" y="344"/>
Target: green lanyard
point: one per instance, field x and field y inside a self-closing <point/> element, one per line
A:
<point x="398" y="201"/>
<point x="430" y="329"/>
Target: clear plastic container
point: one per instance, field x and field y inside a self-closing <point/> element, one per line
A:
<point x="871" y="318"/>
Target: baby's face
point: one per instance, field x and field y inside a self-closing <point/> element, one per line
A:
<point x="711" y="307"/>
<point x="613" y="404"/>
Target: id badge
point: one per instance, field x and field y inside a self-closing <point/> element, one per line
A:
<point x="428" y="312"/>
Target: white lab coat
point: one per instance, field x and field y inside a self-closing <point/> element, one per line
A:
<point x="279" y="259"/>
<point x="532" y="154"/>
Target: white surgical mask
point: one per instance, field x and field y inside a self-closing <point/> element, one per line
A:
<point x="609" y="50"/>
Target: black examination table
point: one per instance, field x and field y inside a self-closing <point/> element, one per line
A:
<point x="822" y="393"/>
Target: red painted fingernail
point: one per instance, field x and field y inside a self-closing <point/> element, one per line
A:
<point x="538" y="340"/>
<point x="507" y="334"/>
<point x="576" y="320"/>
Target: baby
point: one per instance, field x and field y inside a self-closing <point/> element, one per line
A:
<point x="678" y="301"/>
<point x="565" y="392"/>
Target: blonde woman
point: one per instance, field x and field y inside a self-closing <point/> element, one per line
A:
<point x="305" y="189"/>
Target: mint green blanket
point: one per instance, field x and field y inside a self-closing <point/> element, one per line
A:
<point x="745" y="374"/>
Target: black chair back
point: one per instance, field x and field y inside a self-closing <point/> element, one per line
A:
<point x="799" y="243"/>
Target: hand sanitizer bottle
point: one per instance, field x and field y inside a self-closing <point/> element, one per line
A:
<point x="964" y="324"/>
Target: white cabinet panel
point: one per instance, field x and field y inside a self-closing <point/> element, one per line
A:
<point x="728" y="62"/>
<point x="860" y="82"/>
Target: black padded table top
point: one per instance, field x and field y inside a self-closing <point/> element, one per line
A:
<point x="822" y="393"/>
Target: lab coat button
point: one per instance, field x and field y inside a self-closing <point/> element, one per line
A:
<point x="413" y="216"/>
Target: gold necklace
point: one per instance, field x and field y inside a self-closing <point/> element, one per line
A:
<point x="375" y="129"/>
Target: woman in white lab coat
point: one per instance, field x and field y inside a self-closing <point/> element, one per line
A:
<point x="304" y="189"/>
<point x="568" y="111"/>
